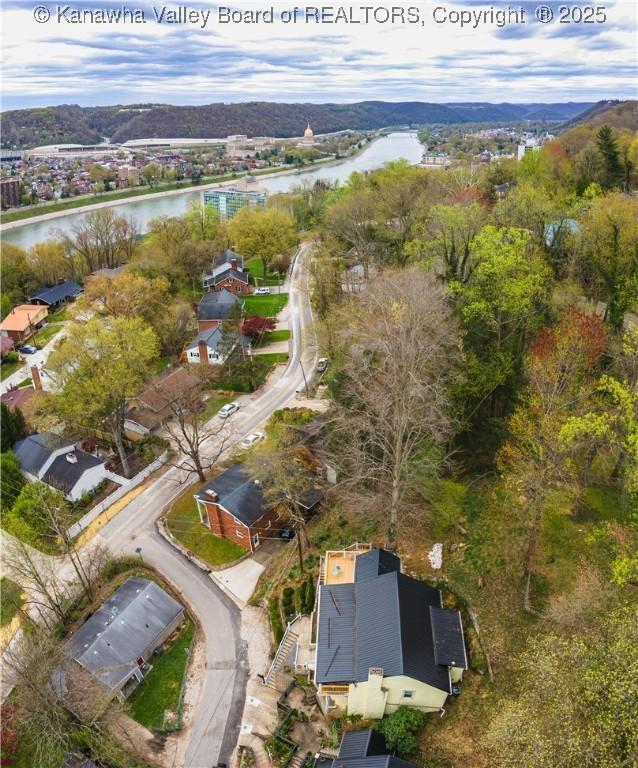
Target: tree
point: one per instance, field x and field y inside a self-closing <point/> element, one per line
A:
<point x="256" y="326"/>
<point x="151" y="174"/>
<point x="265" y="233"/>
<point x="351" y="221"/>
<point x="12" y="426"/>
<point x="285" y="476"/>
<point x="203" y="222"/>
<point x="610" y="249"/>
<point x="50" y="262"/>
<point x="11" y="479"/>
<point x="394" y="418"/>
<point x="129" y="294"/>
<point x="560" y="384"/>
<point x="572" y="709"/>
<point x="607" y="145"/>
<point x="104" y="239"/>
<point x="170" y="236"/>
<point x="98" y="369"/>
<point x="192" y="436"/>
<point x="400" y="730"/>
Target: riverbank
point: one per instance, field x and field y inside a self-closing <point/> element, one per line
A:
<point x="87" y="204"/>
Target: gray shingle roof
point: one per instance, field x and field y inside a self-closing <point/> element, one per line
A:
<point x="64" y="475"/>
<point x="447" y="632"/>
<point x="238" y="493"/>
<point x="379" y="621"/>
<point x="35" y="450"/>
<point x="109" y="643"/>
<point x="366" y="749"/>
<point x="52" y="295"/>
<point x="211" y="337"/>
<point x="217" y="305"/>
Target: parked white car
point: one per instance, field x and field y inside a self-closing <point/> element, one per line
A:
<point x="251" y="440"/>
<point x="263" y="291"/>
<point x="227" y="410"/>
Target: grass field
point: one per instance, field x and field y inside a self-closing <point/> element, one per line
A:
<point x="273" y="336"/>
<point x="256" y="268"/>
<point x="44" y="336"/>
<point x="159" y="691"/>
<point x="215" y="402"/>
<point x="10" y="600"/>
<point x="9" y="368"/>
<point x="183" y="522"/>
<point x="265" y="306"/>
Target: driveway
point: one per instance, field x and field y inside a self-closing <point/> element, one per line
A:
<point x="241" y="579"/>
<point x="38" y="358"/>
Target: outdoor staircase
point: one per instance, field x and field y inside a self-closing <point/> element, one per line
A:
<point x="298" y="759"/>
<point x="288" y="642"/>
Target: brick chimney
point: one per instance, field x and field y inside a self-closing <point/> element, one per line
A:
<point x="35" y="375"/>
<point x="203" y="352"/>
<point x="233" y="264"/>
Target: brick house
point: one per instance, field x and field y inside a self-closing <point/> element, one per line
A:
<point x="23" y="321"/>
<point x="233" y="507"/>
<point x="230" y="274"/>
<point x="216" y="307"/>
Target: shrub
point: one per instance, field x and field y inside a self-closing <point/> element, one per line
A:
<point x="287" y="603"/>
<point x="275" y="619"/>
<point x="309" y="601"/>
<point x="400" y="728"/>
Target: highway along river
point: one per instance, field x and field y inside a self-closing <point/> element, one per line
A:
<point x="392" y="147"/>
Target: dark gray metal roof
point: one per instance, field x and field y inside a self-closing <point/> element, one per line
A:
<point x="238" y="493"/>
<point x="374" y="563"/>
<point x="64" y="475"/>
<point x="109" y="643"/>
<point x="363" y="743"/>
<point x="217" y="305"/>
<point x="381" y="621"/>
<point x="35" y="450"/>
<point x="66" y="290"/>
<point x="447" y="633"/>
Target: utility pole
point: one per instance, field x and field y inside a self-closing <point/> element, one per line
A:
<point x="305" y="380"/>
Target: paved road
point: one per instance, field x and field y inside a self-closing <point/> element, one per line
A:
<point x="216" y="722"/>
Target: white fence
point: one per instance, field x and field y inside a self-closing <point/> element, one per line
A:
<point x="97" y="510"/>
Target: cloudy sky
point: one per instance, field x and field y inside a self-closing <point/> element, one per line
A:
<point x="91" y="64"/>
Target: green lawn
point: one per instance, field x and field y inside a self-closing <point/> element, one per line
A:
<point x="9" y="368"/>
<point x="256" y="268"/>
<point x="45" y="335"/>
<point x="58" y="317"/>
<point x="10" y="600"/>
<point x="266" y="306"/>
<point x="273" y="336"/>
<point x="183" y="522"/>
<point x="273" y="357"/>
<point x="160" y="690"/>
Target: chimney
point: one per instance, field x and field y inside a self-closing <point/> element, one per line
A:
<point x="233" y="264"/>
<point x="203" y="352"/>
<point x="35" y="375"/>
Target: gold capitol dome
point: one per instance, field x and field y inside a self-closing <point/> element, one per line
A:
<point x="308" y="133"/>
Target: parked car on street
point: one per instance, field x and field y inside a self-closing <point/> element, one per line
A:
<point x="322" y="364"/>
<point x="263" y="291"/>
<point x="227" y="410"/>
<point x="251" y="440"/>
<point x="27" y="349"/>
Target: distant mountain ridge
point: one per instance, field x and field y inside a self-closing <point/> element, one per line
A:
<point x="70" y="123"/>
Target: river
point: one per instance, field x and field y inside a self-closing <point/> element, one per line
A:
<point x="392" y="147"/>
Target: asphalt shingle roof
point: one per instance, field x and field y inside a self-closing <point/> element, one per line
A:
<point x="35" y="450"/>
<point x="52" y="295"/>
<point x="109" y="643"/>
<point x="64" y="474"/>
<point x="447" y="633"/>
<point x="217" y="305"/>
<point x="238" y="493"/>
<point x="211" y="337"/>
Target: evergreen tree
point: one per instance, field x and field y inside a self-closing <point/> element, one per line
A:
<point x="12" y="427"/>
<point x="608" y="147"/>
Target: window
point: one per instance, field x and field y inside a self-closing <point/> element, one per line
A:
<point x="269" y="524"/>
<point x="239" y="289"/>
<point x="239" y="534"/>
<point x="408" y="694"/>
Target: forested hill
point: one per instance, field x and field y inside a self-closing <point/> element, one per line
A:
<point x="85" y="125"/>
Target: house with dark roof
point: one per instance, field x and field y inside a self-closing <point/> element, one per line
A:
<point x="216" y="307"/>
<point x="383" y="639"/>
<point x="233" y="506"/>
<point x="56" y="295"/>
<point x="229" y="274"/>
<point x="113" y="646"/>
<point x="207" y="348"/>
<point x="362" y="749"/>
<point x="56" y="461"/>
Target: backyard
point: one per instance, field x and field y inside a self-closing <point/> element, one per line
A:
<point x="183" y="522"/>
<point x="156" y="703"/>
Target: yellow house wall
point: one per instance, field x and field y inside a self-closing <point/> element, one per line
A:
<point x="456" y="673"/>
<point x="362" y="701"/>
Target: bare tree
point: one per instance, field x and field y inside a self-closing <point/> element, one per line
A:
<point x="103" y="240"/>
<point x="286" y="476"/>
<point x="393" y="415"/>
<point x="199" y="443"/>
